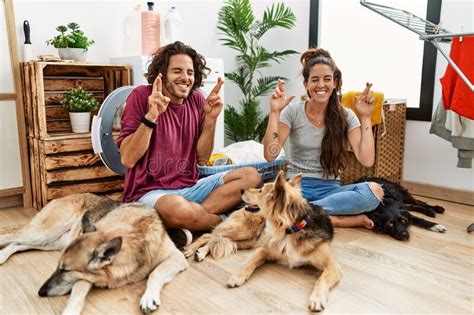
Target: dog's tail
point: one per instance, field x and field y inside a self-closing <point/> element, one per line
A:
<point x="220" y="247"/>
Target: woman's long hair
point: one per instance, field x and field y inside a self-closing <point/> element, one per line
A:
<point x="161" y="60"/>
<point x="334" y="144"/>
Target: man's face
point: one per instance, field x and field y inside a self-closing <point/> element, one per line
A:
<point x="179" y="78"/>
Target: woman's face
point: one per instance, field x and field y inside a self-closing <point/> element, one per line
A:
<point x="320" y="84"/>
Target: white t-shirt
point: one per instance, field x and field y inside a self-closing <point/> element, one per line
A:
<point x="305" y="140"/>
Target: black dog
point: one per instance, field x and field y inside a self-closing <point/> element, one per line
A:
<point x="391" y="217"/>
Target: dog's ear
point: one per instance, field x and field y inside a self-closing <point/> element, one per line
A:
<point x="280" y="181"/>
<point x="87" y="225"/>
<point x="296" y="180"/>
<point x="105" y="253"/>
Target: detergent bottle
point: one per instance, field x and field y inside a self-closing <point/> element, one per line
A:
<point x="150" y="27"/>
<point x="172" y="27"/>
<point x="132" y="34"/>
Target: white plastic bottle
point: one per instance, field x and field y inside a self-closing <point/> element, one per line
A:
<point x="172" y="27"/>
<point x="132" y="34"/>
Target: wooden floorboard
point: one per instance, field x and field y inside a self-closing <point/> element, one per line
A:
<point x="431" y="273"/>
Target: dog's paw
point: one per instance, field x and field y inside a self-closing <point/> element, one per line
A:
<point x="438" y="209"/>
<point x="431" y="213"/>
<point x="317" y="302"/>
<point x="3" y="257"/>
<point x="188" y="252"/>
<point x="200" y="255"/>
<point x="236" y="280"/>
<point x="150" y="301"/>
<point x="438" y="228"/>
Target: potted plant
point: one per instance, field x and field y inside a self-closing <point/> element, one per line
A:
<point x="243" y="32"/>
<point x="79" y="104"/>
<point x="72" y="45"/>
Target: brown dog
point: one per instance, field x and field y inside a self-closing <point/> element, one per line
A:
<point x="299" y="234"/>
<point x="106" y="244"/>
<point x="241" y="230"/>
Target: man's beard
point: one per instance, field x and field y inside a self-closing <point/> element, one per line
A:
<point x="174" y="93"/>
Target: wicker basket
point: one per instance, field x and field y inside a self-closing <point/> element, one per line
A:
<point x="389" y="148"/>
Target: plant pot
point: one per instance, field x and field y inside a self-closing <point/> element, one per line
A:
<point x="78" y="54"/>
<point x="80" y="122"/>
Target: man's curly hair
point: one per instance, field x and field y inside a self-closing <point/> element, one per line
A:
<point x="161" y="60"/>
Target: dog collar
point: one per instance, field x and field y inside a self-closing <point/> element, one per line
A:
<point x="299" y="225"/>
<point x="252" y="208"/>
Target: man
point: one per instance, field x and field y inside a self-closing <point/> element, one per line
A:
<point x="168" y="128"/>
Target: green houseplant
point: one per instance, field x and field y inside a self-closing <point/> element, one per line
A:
<point x="79" y="104"/>
<point x="242" y="32"/>
<point x="71" y="42"/>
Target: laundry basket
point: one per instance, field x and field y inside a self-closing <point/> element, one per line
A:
<point x="389" y="147"/>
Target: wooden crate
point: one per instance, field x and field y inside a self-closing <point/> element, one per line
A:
<point x="389" y="148"/>
<point x="62" y="162"/>
<point x="67" y="165"/>
<point x="45" y="83"/>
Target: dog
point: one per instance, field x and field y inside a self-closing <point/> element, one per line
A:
<point x="104" y="244"/>
<point x="298" y="234"/>
<point x="241" y="230"/>
<point x="392" y="216"/>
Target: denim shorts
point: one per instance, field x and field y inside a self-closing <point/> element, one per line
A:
<point x="339" y="200"/>
<point x="196" y="193"/>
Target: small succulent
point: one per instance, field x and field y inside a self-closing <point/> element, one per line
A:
<point x="74" y="39"/>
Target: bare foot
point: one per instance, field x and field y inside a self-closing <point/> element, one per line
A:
<point x="346" y="221"/>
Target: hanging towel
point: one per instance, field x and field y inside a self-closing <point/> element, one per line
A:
<point x="463" y="137"/>
<point x="456" y="94"/>
<point x="348" y="100"/>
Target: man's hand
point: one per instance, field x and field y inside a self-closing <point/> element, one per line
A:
<point x="364" y="103"/>
<point x="278" y="99"/>
<point x="213" y="104"/>
<point x="157" y="102"/>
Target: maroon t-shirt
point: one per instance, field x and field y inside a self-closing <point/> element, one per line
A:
<point x="171" y="159"/>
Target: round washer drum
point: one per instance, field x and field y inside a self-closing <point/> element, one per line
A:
<point x="103" y="142"/>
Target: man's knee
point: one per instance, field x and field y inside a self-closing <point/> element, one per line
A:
<point x="175" y="211"/>
<point x="377" y="190"/>
<point x="249" y="177"/>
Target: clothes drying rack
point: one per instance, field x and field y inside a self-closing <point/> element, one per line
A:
<point x="427" y="30"/>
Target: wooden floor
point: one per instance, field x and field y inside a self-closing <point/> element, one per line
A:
<point x="430" y="274"/>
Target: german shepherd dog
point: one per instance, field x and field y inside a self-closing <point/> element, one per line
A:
<point x="299" y="234"/>
<point x="241" y="230"/>
<point x="105" y="244"/>
<point x="392" y="216"/>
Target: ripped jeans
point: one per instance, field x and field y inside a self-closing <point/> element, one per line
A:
<point x="339" y="200"/>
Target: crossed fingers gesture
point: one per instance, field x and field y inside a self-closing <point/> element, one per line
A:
<point x="157" y="102"/>
<point x="364" y="103"/>
<point x="213" y="104"/>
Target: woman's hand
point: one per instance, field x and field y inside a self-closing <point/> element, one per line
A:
<point x="364" y="103"/>
<point x="278" y="99"/>
<point x="213" y="104"/>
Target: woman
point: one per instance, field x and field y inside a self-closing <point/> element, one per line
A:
<point x="320" y="132"/>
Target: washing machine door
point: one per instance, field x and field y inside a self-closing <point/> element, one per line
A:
<point x="103" y="142"/>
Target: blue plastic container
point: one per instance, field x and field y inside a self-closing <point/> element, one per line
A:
<point x="268" y="170"/>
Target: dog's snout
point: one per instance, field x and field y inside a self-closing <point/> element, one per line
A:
<point x="403" y="236"/>
<point x="43" y="291"/>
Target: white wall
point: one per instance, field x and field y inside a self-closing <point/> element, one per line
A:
<point x="10" y="165"/>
